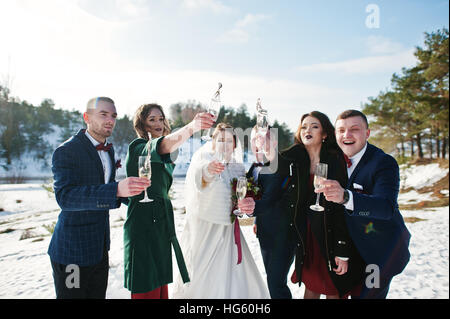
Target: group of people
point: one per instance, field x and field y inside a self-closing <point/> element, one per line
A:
<point x="354" y="247"/>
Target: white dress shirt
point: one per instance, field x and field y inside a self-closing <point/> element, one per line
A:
<point x="255" y="173"/>
<point x="104" y="157"/>
<point x="355" y="160"/>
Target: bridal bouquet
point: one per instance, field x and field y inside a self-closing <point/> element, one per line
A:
<point x="253" y="191"/>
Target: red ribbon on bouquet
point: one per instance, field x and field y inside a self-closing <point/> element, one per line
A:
<point x="237" y="239"/>
<point x="254" y="192"/>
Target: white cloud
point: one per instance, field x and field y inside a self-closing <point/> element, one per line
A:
<point x="62" y="52"/>
<point x="117" y="10"/>
<point x="240" y="33"/>
<point x="52" y="42"/>
<point x="385" y="56"/>
<point x="367" y="65"/>
<point x="383" y="45"/>
<point x="213" y="5"/>
<point x="250" y="20"/>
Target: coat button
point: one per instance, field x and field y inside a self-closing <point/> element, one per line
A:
<point x="292" y="205"/>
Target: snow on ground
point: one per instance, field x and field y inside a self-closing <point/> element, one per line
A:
<point x="25" y="270"/>
<point x="419" y="176"/>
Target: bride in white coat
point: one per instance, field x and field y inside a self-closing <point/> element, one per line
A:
<point x="208" y="242"/>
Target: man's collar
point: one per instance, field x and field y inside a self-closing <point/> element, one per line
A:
<point x="93" y="140"/>
<point x="359" y="155"/>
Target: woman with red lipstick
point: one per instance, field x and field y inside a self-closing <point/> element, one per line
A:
<point x="149" y="230"/>
<point x="326" y="260"/>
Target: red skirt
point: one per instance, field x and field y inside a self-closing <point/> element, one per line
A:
<point x="158" y="293"/>
<point x="315" y="273"/>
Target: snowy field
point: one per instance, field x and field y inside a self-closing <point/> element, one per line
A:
<point x="28" y="210"/>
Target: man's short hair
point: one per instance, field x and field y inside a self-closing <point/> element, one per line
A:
<point x="92" y="103"/>
<point x="351" y="113"/>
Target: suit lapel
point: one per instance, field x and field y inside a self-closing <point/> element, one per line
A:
<point x="364" y="159"/>
<point x="113" y="164"/>
<point x="91" y="151"/>
<point x="250" y="171"/>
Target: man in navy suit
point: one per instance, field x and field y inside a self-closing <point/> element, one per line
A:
<point x="84" y="182"/>
<point x="271" y="222"/>
<point x="373" y="218"/>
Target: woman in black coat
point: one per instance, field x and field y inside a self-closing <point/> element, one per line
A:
<point x="326" y="259"/>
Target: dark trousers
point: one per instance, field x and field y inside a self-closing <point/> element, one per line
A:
<point x="91" y="284"/>
<point x="375" y="293"/>
<point x="277" y="262"/>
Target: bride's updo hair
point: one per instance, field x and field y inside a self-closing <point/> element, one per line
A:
<point x="221" y="128"/>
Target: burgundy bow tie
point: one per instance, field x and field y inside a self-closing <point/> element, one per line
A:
<point x="348" y="161"/>
<point x="103" y="147"/>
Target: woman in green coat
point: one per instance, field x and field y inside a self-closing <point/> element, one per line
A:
<point x="149" y="231"/>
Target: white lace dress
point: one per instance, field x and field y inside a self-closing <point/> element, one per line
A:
<point x="208" y="243"/>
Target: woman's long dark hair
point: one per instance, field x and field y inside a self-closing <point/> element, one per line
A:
<point x="327" y="127"/>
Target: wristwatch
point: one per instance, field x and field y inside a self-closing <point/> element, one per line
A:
<point x="346" y="197"/>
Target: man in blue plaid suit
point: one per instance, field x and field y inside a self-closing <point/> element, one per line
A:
<point x="85" y="188"/>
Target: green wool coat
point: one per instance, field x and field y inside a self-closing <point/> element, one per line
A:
<point x="149" y="231"/>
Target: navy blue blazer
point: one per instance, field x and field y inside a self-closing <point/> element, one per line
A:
<point x="268" y="210"/>
<point x="376" y="225"/>
<point x="82" y="230"/>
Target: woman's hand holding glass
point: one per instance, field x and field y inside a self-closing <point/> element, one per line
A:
<point x="145" y="171"/>
<point x="246" y="206"/>
<point x="202" y="121"/>
<point x="214" y="109"/>
<point x="215" y="167"/>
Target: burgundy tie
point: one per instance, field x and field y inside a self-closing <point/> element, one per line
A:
<point x="103" y="147"/>
<point x="348" y="161"/>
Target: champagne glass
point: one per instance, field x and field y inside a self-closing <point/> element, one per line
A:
<point x="259" y="108"/>
<point x="320" y="174"/>
<point x="220" y="154"/>
<point x="214" y="109"/>
<point x="241" y="191"/>
<point x="262" y="125"/>
<point x="145" y="170"/>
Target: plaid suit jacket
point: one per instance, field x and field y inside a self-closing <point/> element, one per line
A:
<point x="82" y="230"/>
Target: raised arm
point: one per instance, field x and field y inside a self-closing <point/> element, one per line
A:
<point x="174" y="140"/>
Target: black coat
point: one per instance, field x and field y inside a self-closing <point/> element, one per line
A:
<point x="328" y="227"/>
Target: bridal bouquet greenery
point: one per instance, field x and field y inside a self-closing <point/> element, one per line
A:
<point x="253" y="191"/>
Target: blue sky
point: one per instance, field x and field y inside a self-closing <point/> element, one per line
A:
<point x="297" y="56"/>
